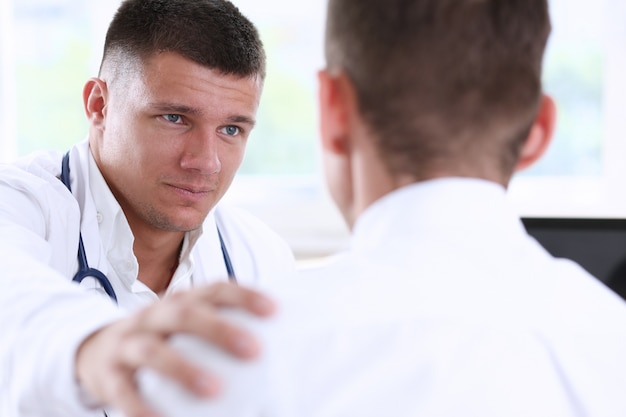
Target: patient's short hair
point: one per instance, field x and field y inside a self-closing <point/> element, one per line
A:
<point x="441" y="79"/>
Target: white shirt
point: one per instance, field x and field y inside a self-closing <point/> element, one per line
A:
<point x="443" y="306"/>
<point x="44" y="318"/>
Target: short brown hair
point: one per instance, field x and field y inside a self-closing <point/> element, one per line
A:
<point x="439" y="80"/>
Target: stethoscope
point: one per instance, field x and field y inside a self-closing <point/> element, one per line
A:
<point x="85" y="271"/>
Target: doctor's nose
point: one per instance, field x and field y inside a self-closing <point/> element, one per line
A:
<point x="202" y="154"/>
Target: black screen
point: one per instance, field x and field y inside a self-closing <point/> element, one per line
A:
<point x="598" y="245"/>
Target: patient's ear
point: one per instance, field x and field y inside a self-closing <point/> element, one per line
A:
<point x="540" y="134"/>
<point x="336" y="103"/>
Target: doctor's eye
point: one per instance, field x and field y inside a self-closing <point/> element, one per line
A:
<point x="230" y="130"/>
<point x="173" y="118"/>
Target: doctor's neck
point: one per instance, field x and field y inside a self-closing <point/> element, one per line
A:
<point x="157" y="262"/>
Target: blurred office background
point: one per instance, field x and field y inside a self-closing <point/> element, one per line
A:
<point x="48" y="48"/>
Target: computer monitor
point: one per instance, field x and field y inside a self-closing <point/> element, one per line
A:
<point x="597" y="244"/>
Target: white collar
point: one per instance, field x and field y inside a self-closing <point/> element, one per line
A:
<point x="446" y="205"/>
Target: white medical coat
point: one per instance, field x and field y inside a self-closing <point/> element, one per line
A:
<point x="43" y="317"/>
<point x="443" y="306"/>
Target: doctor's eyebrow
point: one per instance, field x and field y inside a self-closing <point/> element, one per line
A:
<point x="241" y="119"/>
<point x="172" y="108"/>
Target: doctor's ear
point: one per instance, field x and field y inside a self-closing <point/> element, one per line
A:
<point x="540" y="134"/>
<point x="337" y="104"/>
<point x="94" y="101"/>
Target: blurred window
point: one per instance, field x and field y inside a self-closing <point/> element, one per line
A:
<point x="48" y="48"/>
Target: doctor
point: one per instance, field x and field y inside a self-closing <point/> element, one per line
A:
<point x="169" y="116"/>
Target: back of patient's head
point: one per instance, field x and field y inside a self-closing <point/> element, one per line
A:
<point x="442" y="81"/>
<point x="212" y="33"/>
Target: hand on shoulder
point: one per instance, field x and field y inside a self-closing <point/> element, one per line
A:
<point x="106" y="362"/>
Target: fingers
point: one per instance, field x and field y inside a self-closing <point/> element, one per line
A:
<point x="104" y="371"/>
<point x="226" y="294"/>
<point x="223" y="334"/>
<point x="195" y="312"/>
<point x="179" y="317"/>
<point x="150" y="351"/>
<point x="128" y="399"/>
<point x="107" y="361"/>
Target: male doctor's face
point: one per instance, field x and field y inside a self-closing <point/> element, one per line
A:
<point x="170" y="138"/>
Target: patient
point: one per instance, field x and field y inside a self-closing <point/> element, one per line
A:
<point x="443" y="306"/>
